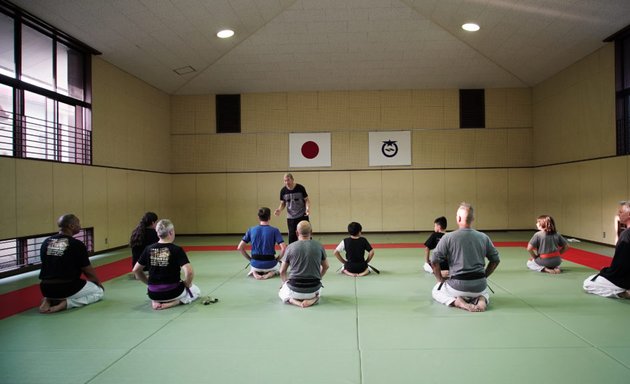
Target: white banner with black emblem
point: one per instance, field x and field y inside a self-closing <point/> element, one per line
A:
<point x="390" y="148"/>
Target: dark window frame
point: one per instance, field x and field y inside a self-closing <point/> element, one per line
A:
<point x="78" y="148"/>
<point x="621" y="40"/>
<point x="25" y="259"/>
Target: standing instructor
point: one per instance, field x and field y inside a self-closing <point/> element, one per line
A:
<point x="293" y="196"/>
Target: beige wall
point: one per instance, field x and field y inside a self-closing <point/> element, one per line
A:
<point x="158" y="152"/>
<point x="574" y="111"/>
<point x="130" y="120"/>
<point x="131" y="139"/>
<point x="582" y="197"/>
<point x="577" y="180"/>
<point x="431" y="115"/>
<point x="221" y="180"/>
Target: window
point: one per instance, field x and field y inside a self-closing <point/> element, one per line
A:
<point x="622" y="88"/>
<point x="45" y="99"/>
<point x="23" y="254"/>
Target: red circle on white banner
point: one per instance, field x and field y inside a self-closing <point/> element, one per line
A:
<point x="310" y="149"/>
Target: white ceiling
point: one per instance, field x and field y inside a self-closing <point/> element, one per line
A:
<point x="309" y="45"/>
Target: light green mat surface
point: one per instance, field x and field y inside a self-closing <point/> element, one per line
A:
<point x="376" y="329"/>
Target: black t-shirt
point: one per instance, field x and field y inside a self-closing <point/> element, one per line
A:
<point x="294" y="200"/>
<point x="433" y="240"/>
<point x="356" y="248"/>
<point x="63" y="258"/>
<point x="619" y="271"/>
<point x="150" y="237"/>
<point x="164" y="261"/>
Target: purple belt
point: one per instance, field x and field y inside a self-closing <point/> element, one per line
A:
<point x="162" y="287"/>
<point x="167" y="287"/>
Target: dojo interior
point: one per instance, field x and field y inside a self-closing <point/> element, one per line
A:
<point x="549" y="145"/>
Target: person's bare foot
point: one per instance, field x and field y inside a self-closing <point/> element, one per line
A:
<point x="558" y="270"/>
<point x="480" y="305"/>
<point x="268" y="275"/>
<point x="58" y="306"/>
<point x="462" y="304"/>
<point x="169" y="304"/>
<point x="551" y="271"/>
<point x="309" y="302"/>
<point x="624" y="295"/>
<point x="296" y="302"/>
<point x="44" y="307"/>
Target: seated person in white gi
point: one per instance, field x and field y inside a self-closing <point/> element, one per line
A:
<point x="614" y="281"/>
<point x="465" y="250"/>
<point x="306" y="264"/>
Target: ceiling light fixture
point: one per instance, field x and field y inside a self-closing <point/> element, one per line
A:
<point x="470" y="27"/>
<point x="224" y="34"/>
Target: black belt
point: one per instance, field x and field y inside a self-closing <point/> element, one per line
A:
<point x="304" y="283"/>
<point x="469" y="276"/>
<point x="264" y="257"/>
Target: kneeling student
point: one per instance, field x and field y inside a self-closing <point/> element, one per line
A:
<point x="355" y="264"/>
<point x="263" y="261"/>
<point x="165" y="260"/>
<point x="302" y="269"/>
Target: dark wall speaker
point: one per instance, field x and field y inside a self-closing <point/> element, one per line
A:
<point x="472" y="108"/>
<point x="228" y="113"/>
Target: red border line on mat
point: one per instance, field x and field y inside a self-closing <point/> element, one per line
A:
<point x="23" y="299"/>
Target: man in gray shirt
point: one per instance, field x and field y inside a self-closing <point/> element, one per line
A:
<point x="465" y="250"/>
<point x="307" y="260"/>
<point x="293" y="196"/>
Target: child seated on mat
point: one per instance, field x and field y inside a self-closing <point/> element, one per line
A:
<point x="546" y="246"/>
<point x="439" y="230"/>
<point x="355" y="247"/>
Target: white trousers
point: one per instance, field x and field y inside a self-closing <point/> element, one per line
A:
<point x="601" y="286"/>
<point x="531" y="264"/>
<point x="275" y="269"/>
<point x="286" y="293"/>
<point x="185" y="297"/>
<point x="447" y="295"/>
<point x="90" y="293"/>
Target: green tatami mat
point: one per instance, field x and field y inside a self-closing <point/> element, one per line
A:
<point x="377" y="329"/>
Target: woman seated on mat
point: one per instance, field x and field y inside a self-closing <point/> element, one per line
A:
<point x="546" y="246"/>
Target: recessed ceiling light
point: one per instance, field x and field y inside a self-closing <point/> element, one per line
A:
<point x="470" y="27"/>
<point x="224" y="34"/>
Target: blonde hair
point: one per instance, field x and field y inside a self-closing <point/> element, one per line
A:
<point x="304" y="228"/>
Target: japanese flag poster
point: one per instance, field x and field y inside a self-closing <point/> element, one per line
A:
<point x="390" y="148"/>
<point x="309" y="150"/>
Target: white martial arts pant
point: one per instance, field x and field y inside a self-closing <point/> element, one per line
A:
<point x="601" y="286"/>
<point x="447" y="295"/>
<point x="185" y="297"/>
<point x="90" y="293"/>
<point x="286" y="293"/>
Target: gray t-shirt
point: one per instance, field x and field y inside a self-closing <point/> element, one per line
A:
<point x="546" y="243"/>
<point x="305" y="259"/>
<point x="465" y="250"/>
